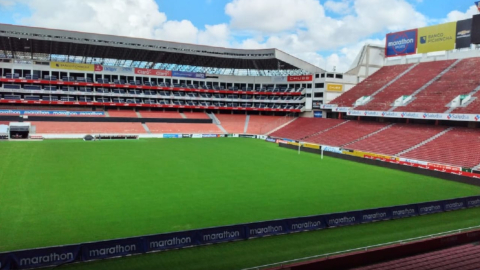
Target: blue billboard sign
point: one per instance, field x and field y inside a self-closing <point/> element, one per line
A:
<point x="401" y="43"/>
<point x="318" y="114"/>
<point x="185" y="74"/>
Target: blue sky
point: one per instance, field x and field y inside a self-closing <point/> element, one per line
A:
<point x="326" y="33"/>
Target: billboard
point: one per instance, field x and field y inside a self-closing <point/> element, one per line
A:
<point x="401" y="43"/>
<point x="334" y="87"/>
<point x="124" y="70"/>
<point x="192" y="75"/>
<point x="476" y="29"/>
<point x="303" y="78"/>
<point x="72" y="66"/>
<point x="153" y="72"/>
<point x="464" y="31"/>
<point x="435" y="38"/>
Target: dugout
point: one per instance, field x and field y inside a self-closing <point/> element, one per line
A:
<point x="19" y="130"/>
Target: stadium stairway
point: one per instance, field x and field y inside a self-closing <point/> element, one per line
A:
<point x="424" y="142"/>
<point x="245" y="129"/>
<point x="320" y="132"/>
<point x="472" y="106"/>
<point x="304" y="127"/>
<point x="282" y="126"/>
<point x="466" y="257"/>
<point x="216" y="122"/>
<point x="369" y="135"/>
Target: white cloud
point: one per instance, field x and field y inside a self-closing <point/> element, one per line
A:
<point x="342" y="7"/>
<point x="458" y="15"/>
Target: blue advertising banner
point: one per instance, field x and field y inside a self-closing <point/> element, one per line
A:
<point x="404" y="211"/>
<point x="266" y="228"/>
<point x="401" y="43"/>
<point x="473" y="201"/>
<point x="455" y="204"/>
<point x="110" y="249"/>
<point x="4" y="261"/>
<point x="373" y="215"/>
<point x="170" y="136"/>
<point x="272" y="140"/>
<point x="306" y="223"/>
<point x="343" y="219"/>
<point x="167" y="241"/>
<point x="209" y="135"/>
<point x="185" y="74"/>
<point x="221" y="234"/>
<point x="430" y="208"/>
<point x="318" y="114"/>
<point x="58" y="113"/>
<point x="45" y="257"/>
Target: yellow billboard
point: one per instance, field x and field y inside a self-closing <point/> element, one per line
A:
<point x="334" y="87"/>
<point x="72" y="66"/>
<point x="435" y="38"/>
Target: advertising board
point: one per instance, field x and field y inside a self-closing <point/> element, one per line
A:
<point x="476" y="29"/>
<point x="401" y="43"/>
<point x="334" y="87"/>
<point x="301" y="78"/>
<point x="153" y="72"/>
<point x="464" y="34"/>
<point x="72" y="66"/>
<point x="185" y="74"/>
<point x="440" y="37"/>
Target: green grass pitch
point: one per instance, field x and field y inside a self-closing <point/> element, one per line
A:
<point x="69" y="191"/>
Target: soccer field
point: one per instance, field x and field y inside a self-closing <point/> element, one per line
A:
<point x="69" y="191"/>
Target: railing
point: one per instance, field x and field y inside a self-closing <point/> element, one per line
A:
<point x="327" y="255"/>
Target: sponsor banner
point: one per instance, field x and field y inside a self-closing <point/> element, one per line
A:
<point x="294" y="143"/>
<point x="318" y="114"/>
<point x="413" y="161"/>
<point x="186" y="135"/>
<point x="168" y="241"/>
<point x="404" y="211"/>
<point x="185" y="74"/>
<point x="171" y="136"/>
<point x="311" y="146"/>
<point x="153" y="72"/>
<point x="209" y="135"/>
<point x="72" y="66"/>
<point x="430" y="208"/>
<point x="464" y="31"/>
<point x="341" y="109"/>
<point x="110" y="249"/>
<point x="332" y="149"/>
<point x="473" y="201"/>
<point x="229" y="135"/>
<point x="279" y="79"/>
<point x="455" y="204"/>
<point x="282" y="141"/>
<point x="4" y="261"/>
<point x="317" y="105"/>
<point x="334" y="87"/>
<point x="476" y="29"/>
<point x="328" y="106"/>
<point x="247" y="136"/>
<point x="444" y="168"/>
<point x="379" y="157"/>
<point x="440" y="37"/>
<point x="343" y="219"/>
<point x="272" y="140"/>
<point x="306" y="224"/>
<point x="222" y="234"/>
<point x="122" y="70"/>
<point x="302" y="78"/>
<point x="416" y="115"/>
<point x="262" y="137"/>
<point x="235" y="135"/>
<point x="354" y="153"/>
<point x="288" y="140"/>
<point x="197" y="136"/>
<point x="43" y="257"/>
<point x="266" y="228"/>
<point x="401" y="43"/>
<point x="373" y="215"/>
<point x="59" y="113"/>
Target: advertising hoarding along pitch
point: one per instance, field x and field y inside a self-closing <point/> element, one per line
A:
<point x="401" y="43"/>
<point x="435" y="38"/>
<point x="464" y="31"/>
<point x="72" y="66"/>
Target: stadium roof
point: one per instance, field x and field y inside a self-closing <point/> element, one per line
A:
<point x="40" y="44"/>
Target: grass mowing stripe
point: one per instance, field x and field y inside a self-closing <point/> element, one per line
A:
<point x="63" y="192"/>
<point x="239" y="255"/>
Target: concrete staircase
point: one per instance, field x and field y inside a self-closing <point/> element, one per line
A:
<point x="139" y="115"/>
<point x="428" y="84"/>
<point x="468" y="102"/>
<point x="282" y="126"/>
<point x="146" y="128"/>
<point x="246" y="124"/>
<point x="216" y="122"/>
<point x="183" y="115"/>
<point x="424" y="142"/>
